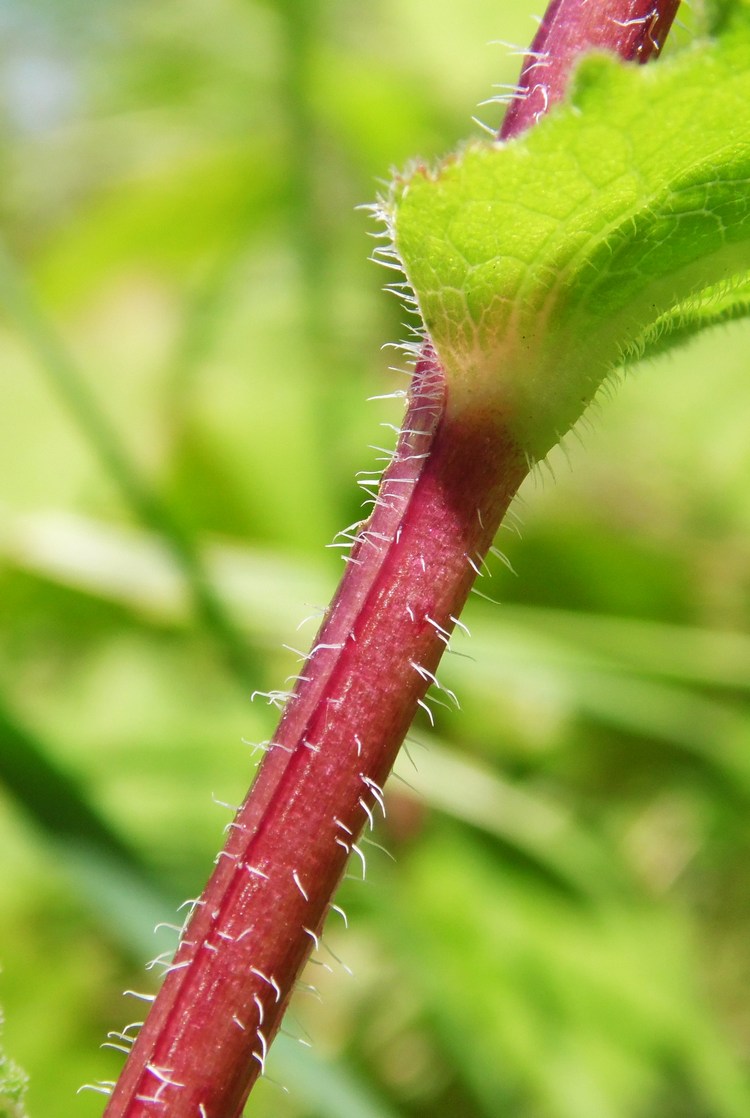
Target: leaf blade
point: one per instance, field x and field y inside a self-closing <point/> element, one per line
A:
<point x="530" y="305"/>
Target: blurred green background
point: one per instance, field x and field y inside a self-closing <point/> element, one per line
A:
<point x="189" y="331"/>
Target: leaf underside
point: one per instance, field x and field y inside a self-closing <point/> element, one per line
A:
<point x="617" y="227"/>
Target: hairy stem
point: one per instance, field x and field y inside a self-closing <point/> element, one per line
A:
<point x="410" y="570"/>
<point x="263" y="911"/>
<point x="634" y="30"/>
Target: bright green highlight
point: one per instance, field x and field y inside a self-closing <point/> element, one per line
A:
<point x="618" y="224"/>
<point x="12" y="1087"/>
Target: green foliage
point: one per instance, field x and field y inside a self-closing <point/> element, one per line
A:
<point x="13" y="1085"/>
<point x="533" y="295"/>
<point x="720" y="14"/>
<point x="556" y="1009"/>
<point x="578" y="831"/>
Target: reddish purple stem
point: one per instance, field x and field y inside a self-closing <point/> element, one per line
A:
<point x="409" y="573"/>
<point x="634" y="30"/>
<point x="411" y="568"/>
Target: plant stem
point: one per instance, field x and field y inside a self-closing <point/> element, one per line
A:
<point x="413" y="563"/>
<point x="409" y="573"/>
<point x="635" y="30"/>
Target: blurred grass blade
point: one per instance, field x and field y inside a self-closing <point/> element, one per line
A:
<point x="117" y="882"/>
<point x="556" y="1010"/>
<point x="99" y="434"/>
<point x="135" y="570"/>
<point x="328" y="1089"/>
<point x="595" y="666"/>
<point x="690" y="654"/>
<point x="540" y="829"/>
<point x="712" y="730"/>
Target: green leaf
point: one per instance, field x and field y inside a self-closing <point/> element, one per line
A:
<point x="541" y="264"/>
<point x="712" y="307"/>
